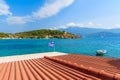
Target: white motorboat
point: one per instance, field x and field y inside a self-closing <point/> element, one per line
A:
<point x="101" y="52"/>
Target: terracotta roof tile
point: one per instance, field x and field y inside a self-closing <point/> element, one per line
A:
<point x="110" y="65"/>
<point x="67" y="67"/>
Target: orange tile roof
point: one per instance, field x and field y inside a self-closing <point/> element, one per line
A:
<point x="110" y="65"/>
<point x="56" y="68"/>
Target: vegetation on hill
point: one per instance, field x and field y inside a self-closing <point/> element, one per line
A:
<point x="3" y="35"/>
<point x="45" y="33"/>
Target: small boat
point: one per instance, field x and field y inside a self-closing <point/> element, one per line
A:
<point x="101" y="52"/>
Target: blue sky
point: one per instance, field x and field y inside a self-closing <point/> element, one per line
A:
<point x="25" y="15"/>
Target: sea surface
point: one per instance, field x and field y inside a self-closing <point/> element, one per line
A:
<point x="85" y="46"/>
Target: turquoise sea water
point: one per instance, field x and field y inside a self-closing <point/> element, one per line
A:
<point x="86" y="46"/>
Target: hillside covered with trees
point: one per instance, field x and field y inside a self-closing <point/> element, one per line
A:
<point x="3" y="35"/>
<point x="43" y="33"/>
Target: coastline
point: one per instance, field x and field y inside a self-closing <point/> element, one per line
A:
<point x="29" y="56"/>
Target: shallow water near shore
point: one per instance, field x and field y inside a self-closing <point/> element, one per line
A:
<point x="86" y="46"/>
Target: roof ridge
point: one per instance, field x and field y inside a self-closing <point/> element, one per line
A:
<point x="88" y="70"/>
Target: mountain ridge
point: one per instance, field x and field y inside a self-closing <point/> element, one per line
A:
<point x="89" y="31"/>
<point x="104" y="35"/>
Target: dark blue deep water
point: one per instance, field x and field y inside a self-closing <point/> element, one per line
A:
<point x="86" y="46"/>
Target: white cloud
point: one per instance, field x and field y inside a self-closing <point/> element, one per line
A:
<point x="52" y="8"/>
<point x="117" y="25"/>
<point x="72" y="24"/>
<point x="93" y="25"/>
<point x="54" y="28"/>
<point x="18" y="19"/>
<point x="4" y="8"/>
<point x="89" y="24"/>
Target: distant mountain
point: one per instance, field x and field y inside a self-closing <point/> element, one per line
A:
<point x="104" y="35"/>
<point x="117" y="30"/>
<point x="82" y="31"/>
<point x="92" y="31"/>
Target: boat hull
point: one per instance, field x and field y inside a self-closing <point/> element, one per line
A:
<point x="100" y="52"/>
